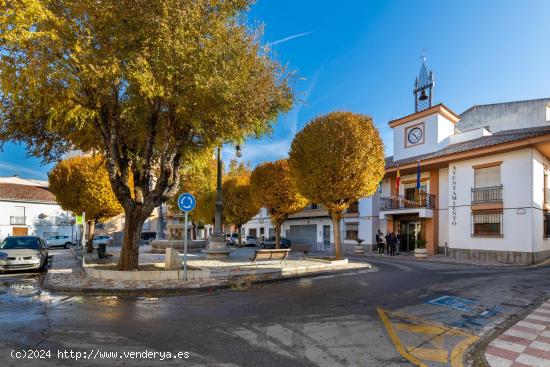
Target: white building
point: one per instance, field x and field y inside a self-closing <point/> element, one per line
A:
<point x="27" y="207"/>
<point x="260" y="226"/>
<point x="483" y="190"/>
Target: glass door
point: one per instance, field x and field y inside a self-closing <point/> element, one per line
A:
<point x="409" y="234"/>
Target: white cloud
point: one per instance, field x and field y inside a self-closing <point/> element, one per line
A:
<point x="13" y="169"/>
<point x="286" y="39"/>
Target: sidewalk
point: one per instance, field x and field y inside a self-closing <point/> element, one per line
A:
<point x="527" y="343"/>
<point x="436" y="258"/>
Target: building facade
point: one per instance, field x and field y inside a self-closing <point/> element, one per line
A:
<point x="473" y="185"/>
<point x="27" y="207"/>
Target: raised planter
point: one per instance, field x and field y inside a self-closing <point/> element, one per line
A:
<point x="359" y="249"/>
<point x="149" y="273"/>
<point x="328" y="260"/>
<point x="160" y="246"/>
<point x="420" y="253"/>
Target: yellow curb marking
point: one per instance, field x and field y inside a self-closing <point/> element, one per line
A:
<point x="438" y="333"/>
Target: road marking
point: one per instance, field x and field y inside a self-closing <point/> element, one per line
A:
<point x="396" y="341"/>
<point x="424" y="342"/>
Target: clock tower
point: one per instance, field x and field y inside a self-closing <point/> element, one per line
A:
<point x="426" y="130"/>
<point x="423" y="87"/>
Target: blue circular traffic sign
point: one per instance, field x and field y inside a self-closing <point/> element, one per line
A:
<point x="187" y="202"/>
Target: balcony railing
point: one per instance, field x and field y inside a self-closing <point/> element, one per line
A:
<point x="421" y="200"/>
<point x="487" y="195"/>
<point x="18" y="220"/>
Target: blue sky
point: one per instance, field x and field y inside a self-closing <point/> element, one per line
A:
<point x="363" y="56"/>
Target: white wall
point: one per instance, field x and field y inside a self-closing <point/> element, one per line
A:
<point x="260" y="220"/>
<point x="517" y="193"/>
<point x="540" y="243"/>
<point x="443" y="206"/>
<point x="36" y="226"/>
<point x="437" y="130"/>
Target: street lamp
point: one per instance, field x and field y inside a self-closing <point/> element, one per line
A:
<point x="238" y="151"/>
<point x="217" y="247"/>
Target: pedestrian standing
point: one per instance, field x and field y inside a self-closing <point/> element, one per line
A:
<point x="380" y="241"/>
<point x="388" y="235"/>
<point x="392" y="243"/>
<point x="398" y="242"/>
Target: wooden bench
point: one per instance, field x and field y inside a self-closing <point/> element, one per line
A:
<point x="304" y="249"/>
<point x="268" y="255"/>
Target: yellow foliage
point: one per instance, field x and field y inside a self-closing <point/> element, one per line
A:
<point x="274" y="189"/>
<point x="238" y="205"/>
<point x="81" y="184"/>
<point x="337" y="159"/>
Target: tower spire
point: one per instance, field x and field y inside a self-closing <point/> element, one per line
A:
<point x="423" y="86"/>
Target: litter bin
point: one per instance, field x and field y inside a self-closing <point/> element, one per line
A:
<point x="101" y="250"/>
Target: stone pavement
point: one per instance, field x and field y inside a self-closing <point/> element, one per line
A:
<point x="435" y="258"/>
<point x="527" y="343"/>
<point x="66" y="273"/>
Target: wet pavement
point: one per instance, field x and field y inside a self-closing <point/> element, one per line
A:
<point x="329" y="320"/>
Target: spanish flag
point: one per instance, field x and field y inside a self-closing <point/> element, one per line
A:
<point x="397" y="181"/>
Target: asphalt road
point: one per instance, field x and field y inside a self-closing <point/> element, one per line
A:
<point x="331" y="320"/>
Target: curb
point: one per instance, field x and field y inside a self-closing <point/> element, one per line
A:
<point x="188" y="290"/>
<point x="476" y="353"/>
<point x="503" y="266"/>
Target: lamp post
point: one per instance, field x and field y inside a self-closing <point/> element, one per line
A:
<point x="217" y="247"/>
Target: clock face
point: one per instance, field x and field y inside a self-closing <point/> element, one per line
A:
<point x="415" y="135"/>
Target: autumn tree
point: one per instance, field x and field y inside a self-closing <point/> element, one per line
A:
<point x="273" y="188"/>
<point x="335" y="160"/>
<point x="199" y="178"/>
<point x="146" y="83"/>
<point x="238" y="204"/>
<point x="81" y="184"/>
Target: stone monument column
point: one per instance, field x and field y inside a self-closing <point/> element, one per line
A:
<point x="217" y="247"/>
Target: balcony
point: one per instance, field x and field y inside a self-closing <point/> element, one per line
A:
<point x="487" y="195"/>
<point x="352" y="210"/>
<point x="14" y="220"/>
<point x="418" y="201"/>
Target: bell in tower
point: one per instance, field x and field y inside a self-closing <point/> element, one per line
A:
<point x="423" y="87"/>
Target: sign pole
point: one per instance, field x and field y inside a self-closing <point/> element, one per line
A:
<point x="82" y="243"/>
<point x="185" y="247"/>
<point x="186" y="203"/>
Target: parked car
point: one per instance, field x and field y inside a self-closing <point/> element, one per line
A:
<point x="270" y="243"/>
<point x="250" y="241"/>
<point x="233" y="239"/>
<point x="23" y="253"/>
<point x="59" y="241"/>
<point x="103" y="239"/>
<point x="146" y="237"/>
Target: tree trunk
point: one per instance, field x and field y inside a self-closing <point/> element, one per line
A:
<point x="240" y="242"/>
<point x="90" y="241"/>
<point x="277" y="235"/>
<point x="129" y="254"/>
<point x="336" y="229"/>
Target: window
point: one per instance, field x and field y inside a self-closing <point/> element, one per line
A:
<point x="271" y="232"/>
<point x="354" y="207"/>
<point x="352" y="231"/>
<point x="252" y="232"/>
<point x="487" y="176"/>
<point x="546" y="225"/>
<point x="487" y="224"/>
<point x="261" y="231"/>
